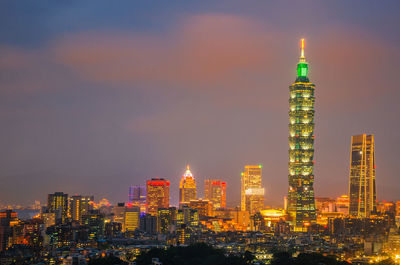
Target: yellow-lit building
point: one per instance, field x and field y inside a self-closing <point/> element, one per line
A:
<point x="187" y="187"/>
<point x="187" y="216"/>
<point x="80" y="206"/>
<point x="215" y="192"/>
<point x="342" y="204"/>
<point x="157" y="195"/>
<point x="131" y="218"/>
<point x="300" y="202"/>
<point x="272" y="216"/>
<point x="323" y="217"/>
<point x="204" y="207"/>
<point x="236" y="218"/>
<point x="165" y="219"/>
<point x="58" y="203"/>
<point x="252" y="193"/>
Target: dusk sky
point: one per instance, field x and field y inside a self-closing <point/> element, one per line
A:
<point x="100" y="95"/>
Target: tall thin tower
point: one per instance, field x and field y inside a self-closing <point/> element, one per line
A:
<point x="301" y="203"/>
<point x="362" y="176"/>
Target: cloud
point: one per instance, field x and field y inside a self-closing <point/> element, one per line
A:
<point x="205" y="51"/>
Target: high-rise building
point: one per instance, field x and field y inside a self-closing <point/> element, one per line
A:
<point x="301" y="203"/>
<point x="187" y="216"/>
<point x="6" y="218"/>
<point x="187" y="187"/>
<point x="166" y="218"/>
<point x="203" y="207"/>
<point x="118" y="213"/>
<point x="157" y="195"/>
<point x="215" y="192"/>
<point x="137" y="197"/>
<point x="127" y="216"/>
<point x="148" y="224"/>
<point x="58" y="203"/>
<point x="132" y="218"/>
<point x="362" y="176"/>
<point x="252" y="193"/>
<point x="80" y="206"/>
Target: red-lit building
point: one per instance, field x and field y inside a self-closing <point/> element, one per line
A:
<point x="157" y="195"/>
<point x="215" y="192"/>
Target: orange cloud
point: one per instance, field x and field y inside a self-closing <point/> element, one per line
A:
<point x="205" y="50"/>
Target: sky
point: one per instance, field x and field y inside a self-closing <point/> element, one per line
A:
<point x="97" y="95"/>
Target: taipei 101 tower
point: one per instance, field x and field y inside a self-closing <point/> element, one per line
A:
<point x="301" y="203"/>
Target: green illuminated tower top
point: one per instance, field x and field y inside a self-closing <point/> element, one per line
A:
<point x="302" y="66"/>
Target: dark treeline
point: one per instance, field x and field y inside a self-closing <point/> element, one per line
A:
<point x="203" y="254"/>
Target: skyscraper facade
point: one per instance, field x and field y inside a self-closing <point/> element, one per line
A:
<point x="252" y="193"/>
<point x="362" y="176"/>
<point x="80" y="206"/>
<point x="215" y="192"/>
<point x="157" y="195"/>
<point x="187" y="187"/>
<point x="58" y="203"/>
<point x="131" y="218"/>
<point x="203" y="207"/>
<point x="301" y="203"/>
<point x="137" y="197"/>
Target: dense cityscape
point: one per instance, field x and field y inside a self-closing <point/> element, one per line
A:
<point x="355" y="227"/>
<point x="205" y="132"/>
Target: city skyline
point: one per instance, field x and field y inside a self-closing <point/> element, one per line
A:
<point x="90" y="121"/>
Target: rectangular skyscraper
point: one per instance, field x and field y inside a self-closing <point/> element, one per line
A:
<point x="80" y="206"/>
<point x="301" y="202"/>
<point x="58" y="203"/>
<point x="215" y="192"/>
<point x="137" y="197"/>
<point x="252" y="193"/>
<point x="157" y="195"/>
<point x="362" y="176"/>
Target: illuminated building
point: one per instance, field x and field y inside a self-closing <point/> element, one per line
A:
<point x="132" y="218"/>
<point x="187" y="216"/>
<point x="95" y="222"/>
<point x="157" y="195"/>
<point x="58" y="203"/>
<point x="127" y="216"/>
<point x="137" y="197"/>
<point x="203" y="207"/>
<point x="187" y="187"/>
<point x="183" y="235"/>
<point x="239" y="218"/>
<point x="342" y="204"/>
<point x="165" y="219"/>
<point x="362" y="176"/>
<point x="80" y="206"/>
<point x="252" y="193"/>
<point x="397" y="208"/>
<point x="325" y="205"/>
<point x="118" y="212"/>
<point x="386" y="208"/>
<point x="301" y="204"/>
<point x="215" y="192"/>
<point x="6" y="218"/>
<point x="271" y="217"/>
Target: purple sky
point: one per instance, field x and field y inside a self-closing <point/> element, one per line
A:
<point x="96" y="97"/>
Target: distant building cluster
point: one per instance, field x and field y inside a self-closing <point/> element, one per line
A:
<point x="350" y="226"/>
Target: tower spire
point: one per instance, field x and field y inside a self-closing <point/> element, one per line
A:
<point x="302" y="66"/>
